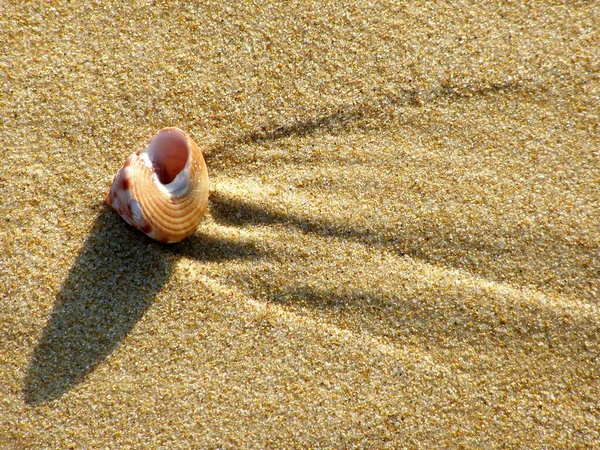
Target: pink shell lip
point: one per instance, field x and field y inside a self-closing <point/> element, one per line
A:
<point x="162" y="189"/>
<point x="168" y="152"/>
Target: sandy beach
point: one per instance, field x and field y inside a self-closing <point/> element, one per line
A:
<point x="401" y="249"/>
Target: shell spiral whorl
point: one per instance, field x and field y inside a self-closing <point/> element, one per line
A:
<point x="162" y="189"/>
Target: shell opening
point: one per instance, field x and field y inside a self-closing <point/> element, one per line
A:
<point x="168" y="152"/>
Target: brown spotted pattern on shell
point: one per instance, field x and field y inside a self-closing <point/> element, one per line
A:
<point x="162" y="189"/>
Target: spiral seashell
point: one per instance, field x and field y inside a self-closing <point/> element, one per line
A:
<point x="162" y="189"/>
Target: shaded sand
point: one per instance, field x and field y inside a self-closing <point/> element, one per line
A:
<point x="402" y="244"/>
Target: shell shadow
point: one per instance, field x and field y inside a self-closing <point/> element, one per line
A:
<point x="236" y="212"/>
<point x="114" y="280"/>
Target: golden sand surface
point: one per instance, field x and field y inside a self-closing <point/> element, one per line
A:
<point x="402" y="244"/>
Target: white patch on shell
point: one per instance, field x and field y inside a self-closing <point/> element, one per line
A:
<point x="136" y="211"/>
<point x="179" y="185"/>
<point x="146" y="160"/>
<point x="126" y="173"/>
<point x="175" y="188"/>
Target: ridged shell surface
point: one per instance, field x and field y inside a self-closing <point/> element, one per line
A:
<point x="162" y="189"/>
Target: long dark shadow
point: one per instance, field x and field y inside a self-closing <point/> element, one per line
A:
<point x="237" y="212"/>
<point x="429" y="243"/>
<point x="339" y="116"/>
<point x="114" y="280"/>
<point x="393" y="317"/>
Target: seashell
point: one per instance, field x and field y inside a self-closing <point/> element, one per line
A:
<point x="162" y="189"/>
